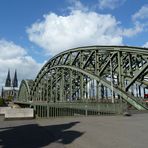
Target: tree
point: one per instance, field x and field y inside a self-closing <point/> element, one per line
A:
<point x="1" y="102"/>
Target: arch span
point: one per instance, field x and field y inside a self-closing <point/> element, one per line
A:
<point x="113" y="74"/>
<point x="24" y="90"/>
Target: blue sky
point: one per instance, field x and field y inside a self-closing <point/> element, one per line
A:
<point x="32" y="31"/>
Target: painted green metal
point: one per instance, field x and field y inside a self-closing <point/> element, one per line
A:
<point x="100" y="74"/>
<point x="24" y="90"/>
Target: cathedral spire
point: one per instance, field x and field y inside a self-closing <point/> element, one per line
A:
<point x="15" y="81"/>
<point x="8" y="80"/>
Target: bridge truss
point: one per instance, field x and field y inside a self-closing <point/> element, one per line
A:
<point x="90" y="80"/>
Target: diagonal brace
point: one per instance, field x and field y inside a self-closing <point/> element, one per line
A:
<point x="107" y="63"/>
<point x="88" y="59"/>
<point x="66" y="59"/>
<point x="75" y="58"/>
<point x="136" y="76"/>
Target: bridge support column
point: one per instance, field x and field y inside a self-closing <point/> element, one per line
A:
<point x="120" y="78"/>
<point x="86" y="111"/>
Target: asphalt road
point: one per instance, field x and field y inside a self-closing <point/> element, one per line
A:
<point x="78" y="132"/>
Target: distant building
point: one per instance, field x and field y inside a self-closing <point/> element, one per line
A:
<point x="10" y="90"/>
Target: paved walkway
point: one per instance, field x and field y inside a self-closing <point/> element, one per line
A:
<point x="79" y="132"/>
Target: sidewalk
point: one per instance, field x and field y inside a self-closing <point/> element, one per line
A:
<point x="78" y="132"/>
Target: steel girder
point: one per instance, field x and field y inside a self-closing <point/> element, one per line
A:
<point x="94" y="74"/>
<point x="24" y="90"/>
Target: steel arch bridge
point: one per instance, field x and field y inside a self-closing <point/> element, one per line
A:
<point x="24" y="90"/>
<point x="90" y="80"/>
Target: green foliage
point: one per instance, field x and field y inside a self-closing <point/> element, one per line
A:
<point x="9" y="98"/>
<point x="1" y="102"/>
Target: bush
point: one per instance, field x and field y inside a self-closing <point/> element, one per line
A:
<point x="9" y="98"/>
<point x="1" y="102"/>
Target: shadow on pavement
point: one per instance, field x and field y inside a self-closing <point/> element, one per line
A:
<point x="35" y="136"/>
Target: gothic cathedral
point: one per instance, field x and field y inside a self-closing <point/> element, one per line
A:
<point x="10" y="90"/>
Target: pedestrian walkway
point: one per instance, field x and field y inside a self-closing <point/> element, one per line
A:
<point x="78" y="132"/>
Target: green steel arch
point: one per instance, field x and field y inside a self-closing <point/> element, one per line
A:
<point x="95" y="73"/>
<point x="93" y="76"/>
<point x="24" y="90"/>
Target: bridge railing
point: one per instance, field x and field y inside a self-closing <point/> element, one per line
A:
<point x="77" y="109"/>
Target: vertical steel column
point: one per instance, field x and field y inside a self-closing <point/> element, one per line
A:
<point x="111" y="74"/>
<point x="120" y="79"/>
<point x="34" y="96"/>
<point x="81" y="76"/>
<point x="38" y="92"/>
<point x="70" y="85"/>
<point x="136" y="90"/>
<point x="86" y="88"/>
<point x="51" y="95"/>
<point x="102" y="92"/>
<point x="42" y="91"/>
<point x="139" y="91"/>
<point x="93" y="90"/>
<point x="130" y="64"/>
<point x="97" y="69"/>
<point x="61" y="86"/>
<point x="119" y="70"/>
<point x="70" y="78"/>
<point x="144" y="90"/>
<point x="56" y="86"/>
<point x="47" y="90"/>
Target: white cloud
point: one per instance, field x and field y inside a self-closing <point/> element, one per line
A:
<point x="111" y="4"/>
<point x="141" y="14"/>
<point x="15" y="57"/>
<point x="79" y="28"/>
<point x="10" y="50"/>
<point x="146" y="45"/>
<point x="133" y="31"/>
<point x="77" y="5"/>
<point x="140" y="20"/>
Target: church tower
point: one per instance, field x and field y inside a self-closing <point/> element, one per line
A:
<point x="10" y="91"/>
<point x="8" y="80"/>
<point x="15" y="81"/>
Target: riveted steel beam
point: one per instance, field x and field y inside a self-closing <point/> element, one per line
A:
<point x="56" y="82"/>
<point x="137" y="76"/>
<point x="128" y="98"/>
<point x="106" y="64"/>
